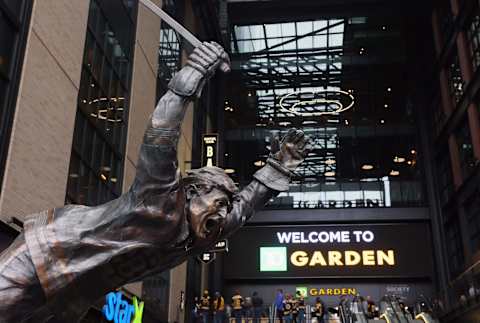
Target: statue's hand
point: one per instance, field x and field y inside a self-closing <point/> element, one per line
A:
<point x="209" y="56"/>
<point x="292" y="150"/>
<point x="200" y="67"/>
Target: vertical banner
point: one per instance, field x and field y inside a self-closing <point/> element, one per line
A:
<point x="210" y="150"/>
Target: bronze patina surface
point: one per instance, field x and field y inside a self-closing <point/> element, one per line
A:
<point x="70" y="256"/>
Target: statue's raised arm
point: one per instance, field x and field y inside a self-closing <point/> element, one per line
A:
<point x="69" y="257"/>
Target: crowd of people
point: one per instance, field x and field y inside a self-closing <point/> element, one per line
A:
<point x="288" y="308"/>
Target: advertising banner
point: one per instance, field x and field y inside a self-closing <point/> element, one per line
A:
<point x="318" y="251"/>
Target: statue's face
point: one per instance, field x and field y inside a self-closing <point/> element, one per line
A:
<point x="208" y="212"/>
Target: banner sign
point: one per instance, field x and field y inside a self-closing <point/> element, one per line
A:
<point x="210" y="150"/>
<point x="207" y="257"/>
<point x="373" y="250"/>
<point x="220" y="246"/>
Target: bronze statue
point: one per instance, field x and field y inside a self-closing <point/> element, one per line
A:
<point x="69" y="257"/>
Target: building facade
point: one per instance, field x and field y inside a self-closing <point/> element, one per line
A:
<point x="78" y="82"/>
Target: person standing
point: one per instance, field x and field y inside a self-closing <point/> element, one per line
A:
<point x="257" y="303"/>
<point x="205" y="306"/>
<point x="218" y="308"/>
<point x="279" y="304"/>
<point x="300" y="303"/>
<point x="237" y="301"/>
<point x="247" y="309"/>
<point x="370" y="308"/>
<point x="318" y="310"/>
<point x="287" y="308"/>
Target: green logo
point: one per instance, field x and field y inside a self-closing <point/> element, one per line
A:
<point x="273" y="258"/>
<point x="303" y="291"/>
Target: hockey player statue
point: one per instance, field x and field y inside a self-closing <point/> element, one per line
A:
<point x="68" y="257"/>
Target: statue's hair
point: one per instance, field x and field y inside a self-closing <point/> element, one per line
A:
<point x="206" y="178"/>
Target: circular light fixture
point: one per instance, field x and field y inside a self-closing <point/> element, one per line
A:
<point x="330" y="161"/>
<point x="413" y="151"/>
<point x="397" y="159"/>
<point x="367" y="167"/>
<point x="338" y="106"/>
<point x="389" y="89"/>
<point x="258" y="163"/>
<point x="382" y="121"/>
<point x="394" y="173"/>
<point x="229" y="170"/>
<point x="329" y="174"/>
<point x="385" y="105"/>
<point x="409" y="162"/>
<point x="113" y="180"/>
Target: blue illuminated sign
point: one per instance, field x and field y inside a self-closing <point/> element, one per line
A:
<point x="120" y="311"/>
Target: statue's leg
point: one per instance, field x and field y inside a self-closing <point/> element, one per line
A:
<point x="20" y="290"/>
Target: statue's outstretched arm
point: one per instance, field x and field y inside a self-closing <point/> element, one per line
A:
<point x="157" y="164"/>
<point x="271" y="179"/>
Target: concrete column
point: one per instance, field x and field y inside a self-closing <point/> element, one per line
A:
<point x="36" y="170"/>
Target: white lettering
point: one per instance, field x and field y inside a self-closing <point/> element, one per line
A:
<point x="345" y="236"/>
<point x="357" y="235"/>
<point x="311" y="238"/>
<point x="284" y="237"/>
<point x="367" y="236"/>
<point x="296" y="237"/>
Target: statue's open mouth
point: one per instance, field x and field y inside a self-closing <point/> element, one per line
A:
<point x="211" y="224"/>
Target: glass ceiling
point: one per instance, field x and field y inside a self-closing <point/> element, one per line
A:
<point x="366" y="154"/>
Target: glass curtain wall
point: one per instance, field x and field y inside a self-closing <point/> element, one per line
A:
<point x="352" y="70"/>
<point x="98" y="150"/>
<point x="14" y="22"/>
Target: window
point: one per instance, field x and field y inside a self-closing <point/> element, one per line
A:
<point x="455" y="81"/>
<point x="474" y="39"/>
<point x="96" y="163"/>
<point x="465" y="147"/>
<point x="454" y="245"/>
<point x="14" y="21"/>
<point x="363" y="156"/>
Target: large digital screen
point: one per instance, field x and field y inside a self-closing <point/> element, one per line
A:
<point x="316" y="251"/>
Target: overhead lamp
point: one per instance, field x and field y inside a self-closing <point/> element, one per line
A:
<point x="103" y="177"/>
<point x="229" y="170"/>
<point x="413" y="151"/>
<point x="106" y="168"/>
<point x="397" y="159"/>
<point x="73" y="175"/>
<point x="409" y="162"/>
<point x="258" y="163"/>
<point x="330" y="161"/>
<point x="385" y="105"/>
<point x="394" y="173"/>
<point x="389" y="89"/>
<point x="249" y="94"/>
<point x="367" y="167"/>
<point x="113" y="180"/>
<point x="382" y="121"/>
<point x="346" y="122"/>
<point x="384" y="27"/>
<point x="329" y="174"/>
